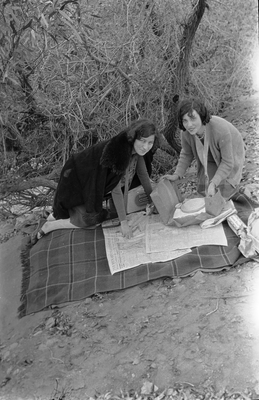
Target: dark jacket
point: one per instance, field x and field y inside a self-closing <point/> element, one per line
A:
<point x="89" y="175"/>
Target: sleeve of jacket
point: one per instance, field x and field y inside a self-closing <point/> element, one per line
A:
<point x="143" y="176"/>
<point x="186" y="156"/>
<point x="226" y="163"/>
<point x="118" y="200"/>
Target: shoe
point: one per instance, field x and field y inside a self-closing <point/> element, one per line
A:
<point x="111" y="223"/>
<point x="38" y="233"/>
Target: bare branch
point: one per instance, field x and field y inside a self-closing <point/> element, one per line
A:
<point x="101" y="61"/>
<point x="25" y="185"/>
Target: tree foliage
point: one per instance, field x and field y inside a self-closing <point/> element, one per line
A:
<point x="75" y="72"/>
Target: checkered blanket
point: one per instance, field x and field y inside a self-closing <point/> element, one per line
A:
<point x="71" y="264"/>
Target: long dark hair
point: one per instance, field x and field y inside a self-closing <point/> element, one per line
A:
<point x="187" y="106"/>
<point x="120" y="146"/>
<point x="142" y="128"/>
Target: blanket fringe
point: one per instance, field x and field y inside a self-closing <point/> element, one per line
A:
<point x="25" y="261"/>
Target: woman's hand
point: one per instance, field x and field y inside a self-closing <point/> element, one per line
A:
<point x="151" y="209"/>
<point x="126" y="230"/>
<point x="211" y="189"/>
<point x="171" y="178"/>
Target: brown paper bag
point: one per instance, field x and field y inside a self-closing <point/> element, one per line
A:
<point x="165" y="196"/>
<point x="215" y="204"/>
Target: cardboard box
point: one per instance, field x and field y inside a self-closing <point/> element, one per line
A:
<point x="137" y="199"/>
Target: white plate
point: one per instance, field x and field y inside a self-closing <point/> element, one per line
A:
<point x="193" y="205"/>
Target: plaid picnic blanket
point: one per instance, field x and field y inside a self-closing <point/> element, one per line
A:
<point x="71" y="264"/>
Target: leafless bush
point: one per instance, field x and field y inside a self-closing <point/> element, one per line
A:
<point x="82" y="71"/>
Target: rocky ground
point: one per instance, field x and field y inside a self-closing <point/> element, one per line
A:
<point x="191" y="338"/>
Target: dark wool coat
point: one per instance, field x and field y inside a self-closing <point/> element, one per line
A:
<point x="89" y="175"/>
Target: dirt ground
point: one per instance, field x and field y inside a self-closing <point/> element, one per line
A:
<point x="200" y="332"/>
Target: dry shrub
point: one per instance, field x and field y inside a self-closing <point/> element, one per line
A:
<point x="163" y="163"/>
<point x="92" y="72"/>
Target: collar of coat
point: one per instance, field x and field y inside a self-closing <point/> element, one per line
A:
<point x="117" y="152"/>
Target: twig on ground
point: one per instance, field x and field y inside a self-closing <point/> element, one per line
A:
<point x="54" y="358"/>
<point x="217" y="307"/>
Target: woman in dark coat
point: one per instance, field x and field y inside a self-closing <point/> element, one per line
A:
<point x="105" y="168"/>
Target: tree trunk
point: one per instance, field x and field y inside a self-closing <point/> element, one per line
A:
<point x="180" y="73"/>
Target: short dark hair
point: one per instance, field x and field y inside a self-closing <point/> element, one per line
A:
<point x="187" y="106"/>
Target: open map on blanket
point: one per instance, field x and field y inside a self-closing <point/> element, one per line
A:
<point x="71" y="264"/>
<point x="154" y="242"/>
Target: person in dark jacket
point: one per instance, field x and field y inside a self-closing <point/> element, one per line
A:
<point x="108" y="167"/>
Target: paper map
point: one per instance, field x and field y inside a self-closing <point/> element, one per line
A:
<point x="124" y="253"/>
